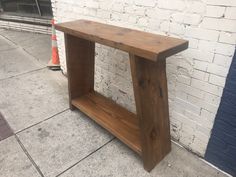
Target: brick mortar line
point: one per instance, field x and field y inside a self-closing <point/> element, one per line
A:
<point x="86" y="157"/>
<point x="28" y="155"/>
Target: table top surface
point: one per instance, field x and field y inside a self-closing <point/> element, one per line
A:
<point x="147" y="45"/>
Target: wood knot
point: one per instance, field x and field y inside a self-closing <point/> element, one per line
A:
<point x="153" y="134"/>
<point x="141" y="83"/>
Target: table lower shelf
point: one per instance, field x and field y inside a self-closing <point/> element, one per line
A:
<point x="116" y="119"/>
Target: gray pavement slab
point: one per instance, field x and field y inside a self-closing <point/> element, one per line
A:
<point x="5" y="44"/>
<point x="60" y="142"/>
<point x="30" y="98"/>
<point x="116" y="160"/>
<point x="13" y="161"/>
<point x="15" y="62"/>
<point x="37" y="45"/>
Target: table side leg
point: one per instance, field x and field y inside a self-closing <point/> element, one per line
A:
<point x="151" y="97"/>
<point x="80" y="60"/>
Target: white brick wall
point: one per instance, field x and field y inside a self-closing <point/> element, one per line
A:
<point x="196" y="77"/>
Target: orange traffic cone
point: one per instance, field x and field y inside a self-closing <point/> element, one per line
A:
<point x="54" y="63"/>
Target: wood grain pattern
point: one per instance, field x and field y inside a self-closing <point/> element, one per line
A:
<point x="120" y="122"/>
<point x="151" y="97"/>
<point x="147" y="45"/>
<point x="80" y="66"/>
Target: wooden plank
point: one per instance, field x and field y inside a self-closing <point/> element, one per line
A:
<point x="80" y="66"/>
<point x="151" y="97"/>
<point x="147" y="45"/>
<point x="116" y="119"/>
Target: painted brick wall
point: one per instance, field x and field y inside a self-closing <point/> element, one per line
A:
<point x="196" y="77"/>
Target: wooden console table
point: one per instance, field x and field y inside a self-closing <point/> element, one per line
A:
<point x="148" y="132"/>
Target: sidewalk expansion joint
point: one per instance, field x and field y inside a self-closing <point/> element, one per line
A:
<point x="28" y="155"/>
<point x="51" y="117"/>
<point x="86" y="156"/>
<point x="21" y="74"/>
<point x="18" y="46"/>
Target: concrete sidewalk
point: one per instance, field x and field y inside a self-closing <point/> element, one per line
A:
<point x="50" y="140"/>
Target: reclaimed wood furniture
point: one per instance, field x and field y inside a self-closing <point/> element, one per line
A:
<point x="147" y="132"/>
